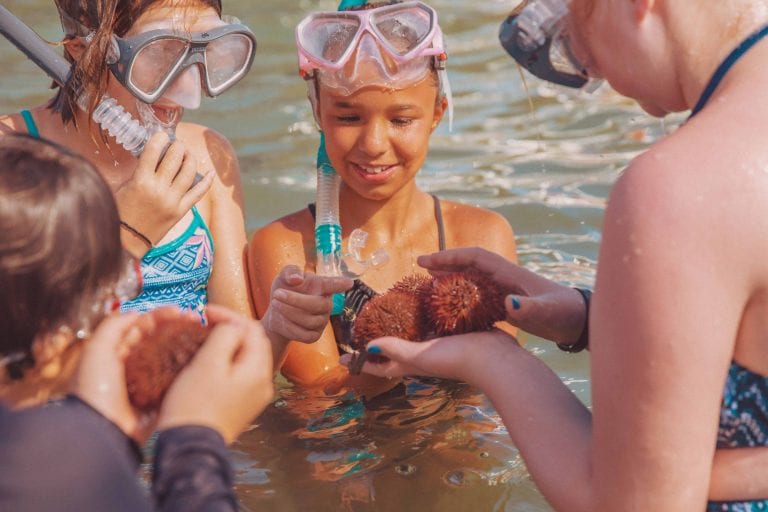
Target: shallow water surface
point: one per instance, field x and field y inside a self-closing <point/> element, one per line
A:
<point x="428" y="445"/>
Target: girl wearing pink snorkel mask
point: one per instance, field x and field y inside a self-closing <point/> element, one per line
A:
<point x="378" y="86"/>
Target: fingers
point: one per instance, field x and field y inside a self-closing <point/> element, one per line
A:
<point x="152" y="154"/>
<point x="290" y="276"/>
<point x="172" y="161"/>
<point x="293" y="278"/>
<point x="294" y="324"/>
<point x="184" y="176"/>
<point x="326" y="285"/>
<point x="457" y="260"/>
<point x="112" y="331"/>
<point x="300" y="303"/>
<point x="195" y="193"/>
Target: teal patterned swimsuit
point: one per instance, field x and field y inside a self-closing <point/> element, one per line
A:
<point x="177" y="273"/>
<point x="743" y="423"/>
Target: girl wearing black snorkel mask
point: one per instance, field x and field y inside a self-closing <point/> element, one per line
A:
<point x="180" y="199"/>
<point x="151" y="59"/>
<point x="678" y="327"/>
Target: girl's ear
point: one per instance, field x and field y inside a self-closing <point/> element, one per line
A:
<point x="48" y="352"/>
<point x="74" y="47"/>
<point x="440" y="106"/>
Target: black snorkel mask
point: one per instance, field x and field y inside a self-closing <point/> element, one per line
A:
<point x="533" y="35"/>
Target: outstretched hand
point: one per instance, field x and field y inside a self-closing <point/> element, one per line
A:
<point x="534" y="303"/>
<point x="300" y="304"/>
<point x="460" y="357"/>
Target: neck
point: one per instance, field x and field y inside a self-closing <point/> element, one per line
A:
<point x="107" y="155"/>
<point x="385" y="219"/>
<point x="712" y="36"/>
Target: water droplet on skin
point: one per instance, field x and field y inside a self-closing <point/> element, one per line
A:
<point x="454" y="478"/>
<point x="484" y="455"/>
<point x="405" y="469"/>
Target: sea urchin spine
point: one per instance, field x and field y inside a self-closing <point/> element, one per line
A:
<point x="464" y="302"/>
<point x="155" y="361"/>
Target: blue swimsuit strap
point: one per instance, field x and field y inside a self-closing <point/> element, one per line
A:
<point x="725" y="66"/>
<point x="30" y="122"/>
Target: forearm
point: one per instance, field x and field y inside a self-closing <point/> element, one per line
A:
<point x="546" y="421"/>
<point x="192" y="472"/>
<point x="739" y="474"/>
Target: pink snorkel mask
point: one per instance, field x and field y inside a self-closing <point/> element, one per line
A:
<point x="393" y="46"/>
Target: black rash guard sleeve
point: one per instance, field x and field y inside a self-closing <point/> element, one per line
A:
<point x="192" y="471"/>
<point x="66" y="457"/>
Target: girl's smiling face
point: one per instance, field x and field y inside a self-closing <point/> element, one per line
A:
<point x="377" y="139"/>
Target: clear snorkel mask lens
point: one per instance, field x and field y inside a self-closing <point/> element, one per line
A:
<point x="535" y="35"/>
<point x="392" y="46"/>
<point x="165" y="63"/>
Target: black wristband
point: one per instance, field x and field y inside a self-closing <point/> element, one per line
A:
<point x="138" y="234"/>
<point x="583" y="341"/>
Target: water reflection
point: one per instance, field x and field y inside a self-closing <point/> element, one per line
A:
<point x="422" y="439"/>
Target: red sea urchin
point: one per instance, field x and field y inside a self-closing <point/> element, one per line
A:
<point x="155" y="361"/>
<point x="463" y="302"/>
<point x="395" y="313"/>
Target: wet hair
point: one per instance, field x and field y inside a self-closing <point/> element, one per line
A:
<point x="104" y="18"/>
<point x="60" y="245"/>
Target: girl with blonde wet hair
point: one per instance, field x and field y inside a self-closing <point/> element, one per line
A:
<point x="678" y="327"/>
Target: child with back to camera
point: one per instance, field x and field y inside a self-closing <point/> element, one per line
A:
<point x="191" y="234"/>
<point x="62" y="269"/>
<point x="678" y="326"/>
<point x="377" y="95"/>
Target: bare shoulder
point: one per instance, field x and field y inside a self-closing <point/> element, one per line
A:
<point x="11" y="123"/>
<point x="212" y="149"/>
<point x="287" y="240"/>
<point x="467" y="225"/>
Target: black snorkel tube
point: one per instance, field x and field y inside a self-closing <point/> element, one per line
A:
<point x="34" y="47"/>
<point x="110" y="115"/>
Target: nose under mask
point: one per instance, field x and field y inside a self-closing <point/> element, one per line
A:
<point x="186" y="90"/>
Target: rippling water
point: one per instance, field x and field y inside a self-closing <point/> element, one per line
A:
<point x="430" y="445"/>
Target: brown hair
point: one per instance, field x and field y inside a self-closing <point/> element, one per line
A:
<point x="104" y="18"/>
<point x="60" y="245"/>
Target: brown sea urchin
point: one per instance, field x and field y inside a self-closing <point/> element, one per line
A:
<point x="155" y="361"/>
<point x="394" y="313"/>
<point x="463" y="302"/>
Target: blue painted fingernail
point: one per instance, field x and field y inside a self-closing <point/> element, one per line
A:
<point x="515" y="303"/>
<point x="373" y="349"/>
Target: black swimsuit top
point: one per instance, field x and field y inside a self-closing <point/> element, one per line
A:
<point x="356" y="297"/>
